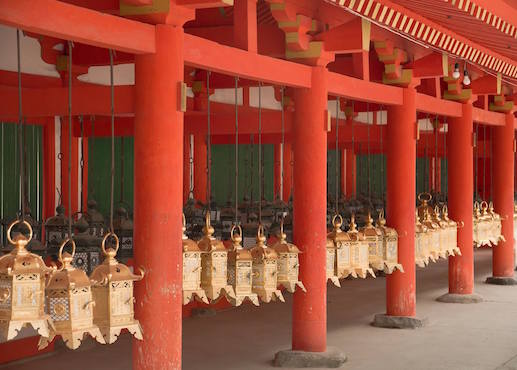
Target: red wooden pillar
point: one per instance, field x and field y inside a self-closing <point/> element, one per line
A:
<point x="288" y="171"/>
<point x="350" y="173"/>
<point x="400" y="212"/>
<point x="309" y="222"/>
<point x="158" y="201"/>
<point x="245" y="25"/>
<point x="200" y="167"/>
<point x="503" y="258"/>
<point x="460" y="202"/>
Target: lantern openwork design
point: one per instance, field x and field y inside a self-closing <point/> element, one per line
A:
<point x="265" y="276"/>
<point x="87" y="255"/>
<point x="22" y="288"/>
<point x="422" y="242"/>
<point x="452" y="233"/>
<point x="390" y="245"/>
<point x="112" y="288"/>
<point x="487" y="225"/>
<point x="288" y="263"/>
<point x="433" y="232"/>
<point x="375" y="240"/>
<point x="69" y="302"/>
<point x="123" y="227"/>
<point x="341" y="247"/>
<point x="214" y="269"/>
<point x="240" y="270"/>
<point x="56" y="228"/>
<point x="359" y="251"/>
<point x="191" y="269"/>
<point x="443" y="232"/>
<point x="95" y="219"/>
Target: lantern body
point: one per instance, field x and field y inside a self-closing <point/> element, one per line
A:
<point x="452" y="233"/>
<point x="390" y="241"/>
<point x="287" y="263"/>
<point x="422" y="242"/>
<point x="443" y="233"/>
<point x="496" y="225"/>
<point x="476" y="229"/>
<point x="342" y="247"/>
<point x="123" y="227"/>
<point x="69" y="303"/>
<point x="112" y="287"/>
<point x="56" y="229"/>
<point x="375" y="240"/>
<point x="214" y="261"/>
<point x="265" y="276"/>
<point x="22" y="288"/>
<point x="359" y="251"/>
<point x="331" y="263"/>
<point x="87" y="256"/>
<point x="95" y="219"/>
<point x="433" y="236"/>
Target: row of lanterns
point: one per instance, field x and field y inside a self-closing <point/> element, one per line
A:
<point x="487" y="225"/>
<point x="211" y="271"/>
<point x="64" y="301"/>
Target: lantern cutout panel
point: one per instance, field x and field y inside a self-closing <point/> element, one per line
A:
<point x="56" y="228"/>
<point x="452" y="232"/>
<point x="496" y="225"/>
<point x="359" y="251"/>
<point x="422" y="242"/>
<point x="22" y="288"/>
<point x="375" y="240"/>
<point x="265" y="276"/>
<point x="342" y="248"/>
<point x="240" y="270"/>
<point x="123" y="227"/>
<point x="87" y="255"/>
<point x="112" y="288"/>
<point x="214" y="265"/>
<point x="390" y="245"/>
<point x="443" y="233"/>
<point x="434" y="236"/>
<point x="191" y="270"/>
<point x="288" y="263"/>
<point x="69" y="302"/>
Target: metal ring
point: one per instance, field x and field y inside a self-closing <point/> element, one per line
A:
<point x="484" y="205"/>
<point x="260" y="230"/>
<point x="232" y="232"/>
<point x="335" y="218"/>
<point x="16" y="222"/>
<point x="65" y="242"/>
<point x="103" y="244"/>
<point x="428" y="196"/>
<point x="184" y="220"/>
<point x="60" y="156"/>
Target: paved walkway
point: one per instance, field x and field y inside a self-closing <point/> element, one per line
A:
<point x="460" y="337"/>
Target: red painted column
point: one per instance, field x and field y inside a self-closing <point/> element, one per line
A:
<point x="400" y="202"/>
<point x="503" y="261"/>
<point x="245" y="25"/>
<point x="309" y="220"/>
<point x="158" y="201"/>
<point x="461" y="192"/>
<point x="288" y="170"/>
<point x="351" y="173"/>
<point x="200" y="168"/>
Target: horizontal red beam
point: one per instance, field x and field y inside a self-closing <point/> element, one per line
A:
<point x="487" y="117"/>
<point x="69" y="22"/>
<point x="432" y="105"/>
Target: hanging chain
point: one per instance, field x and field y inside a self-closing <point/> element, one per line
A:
<point x="476" y="164"/>
<point x="336" y="170"/>
<point x="491" y="164"/>
<point x="70" y="47"/>
<point x="81" y="163"/>
<point x="353" y="144"/>
<point x="435" y="167"/>
<point x="209" y="147"/>
<point x="382" y="155"/>
<point x="446" y="192"/>
<point x="368" y="153"/>
<point x="260" y="151"/>
<point x="282" y="146"/>
<point x="20" y="127"/>
<point x="112" y="84"/>
<point x="236" y="153"/>
<point x="90" y="163"/>
<point x="484" y="162"/>
<point x="122" y="150"/>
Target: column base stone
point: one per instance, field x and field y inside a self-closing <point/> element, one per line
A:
<point x="460" y="298"/>
<point x="382" y="320"/>
<point x="332" y="358"/>
<point x="497" y="280"/>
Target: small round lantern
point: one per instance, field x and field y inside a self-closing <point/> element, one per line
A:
<point x="214" y="261"/>
<point x="240" y="270"/>
<point x="69" y="303"/>
<point x="288" y="263"/>
<point x="359" y="251"/>
<point x="191" y="270"/>
<point x="390" y="245"/>
<point x="112" y="288"/>
<point x="342" y="247"/>
<point x="265" y="273"/>
<point x="22" y="288"/>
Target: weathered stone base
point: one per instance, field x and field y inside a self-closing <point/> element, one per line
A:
<point x="496" y="280"/>
<point x="460" y="298"/>
<point x="382" y="320"/>
<point x="332" y="358"/>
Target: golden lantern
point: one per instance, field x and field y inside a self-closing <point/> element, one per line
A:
<point x="69" y="303"/>
<point x="240" y="270"/>
<point x="331" y="263"/>
<point x="358" y="251"/>
<point x="112" y="288"/>
<point x="422" y="242"/>
<point x="288" y="263"/>
<point x="390" y="245"/>
<point x="22" y="288"/>
<point x="424" y="199"/>
<point x="496" y="225"/>
<point x="341" y="247"/>
<point x="434" y="236"/>
<point x="375" y="240"/>
<point x="443" y="232"/>
<point x="265" y="273"/>
<point x="191" y="269"/>
<point x="476" y="218"/>
<point x="452" y="233"/>
<point x="214" y="260"/>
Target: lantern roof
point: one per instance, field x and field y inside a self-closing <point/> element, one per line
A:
<point x="112" y="270"/>
<point x="68" y="277"/>
<point x="282" y="245"/>
<point x="261" y="251"/>
<point x="337" y="234"/>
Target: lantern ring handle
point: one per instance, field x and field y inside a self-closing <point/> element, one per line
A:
<point x="184" y="220"/>
<point x="232" y="232"/>
<point x="484" y="205"/>
<point x="207" y="218"/>
<point x="425" y="197"/>
<point x="103" y="244"/>
<point x="445" y="208"/>
<point x="260" y="231"/>
<point x="335" y="223"/>
<point x="16" y="222"/>
<point x="62" y="246"/>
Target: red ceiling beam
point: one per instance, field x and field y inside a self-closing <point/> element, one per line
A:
<point x="432" y="105"/>
<point x="487" y="117"/>
<point x="69" y="22"/>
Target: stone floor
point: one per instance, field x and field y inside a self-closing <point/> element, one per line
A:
<point x="459" y="337"/>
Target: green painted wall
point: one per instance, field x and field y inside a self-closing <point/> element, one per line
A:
<point x="377" y="171"/>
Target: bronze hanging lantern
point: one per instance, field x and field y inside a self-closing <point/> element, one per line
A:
<point x="341" y="247"/>
<point x="477" y="227"/>
<point x="434" y="236"/>
<point x="112" y="288"/>
<point x="123" y="227"/>
<point x="56" y="228"/>
<point x="22" y="288"/>
<point x="424" y="198"/>
<point x="87" y="255"/>
<point x="390" y="246"/>
<point x="375" y="240"/>
<point x="452" y="233"/>
<point x="359" y="251"/>
<point x="443" y="234"/>
<point x="288" y="262"/>
<point x="69" y="303"/>
<point x="95" y="219"/>
<point x="240" y="270"/>
<point x="331" y="267"/>
<point x="422" y="243"/>
<point x="191" y="270"/>
<point x="265" y="272"/>
<point x="214" y="260"/>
